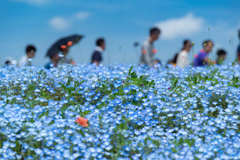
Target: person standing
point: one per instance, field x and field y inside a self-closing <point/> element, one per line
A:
<point x="148" y="51"/>
<point x="182" y="60"/>
<point x="201" y="59"/>
<point x="30" y="53"/>
<point x="97" y="54"/>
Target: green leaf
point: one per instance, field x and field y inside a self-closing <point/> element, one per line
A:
<point x="130" y="70"/>
<point x="85" y="113"/>
<point x="174" y="150"/>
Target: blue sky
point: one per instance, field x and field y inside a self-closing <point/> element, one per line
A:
<point x="121" y="23"/>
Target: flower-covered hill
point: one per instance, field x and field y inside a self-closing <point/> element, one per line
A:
<point x="120" y="112"/>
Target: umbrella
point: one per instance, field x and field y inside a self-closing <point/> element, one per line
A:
<point x="55" y="48"/>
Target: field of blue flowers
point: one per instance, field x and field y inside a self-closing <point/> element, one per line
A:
<point x="132" y="112"/>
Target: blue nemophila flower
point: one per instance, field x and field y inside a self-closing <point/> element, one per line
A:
<point x="197" y="117"/>
<point x="126" y="90"/>
<point x="37" y="90"/>
<point x="38" y="151"/>
<point x="140" y="94"/>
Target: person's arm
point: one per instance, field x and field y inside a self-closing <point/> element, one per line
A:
<point x="208" y="61"/>
<point x="55" y="65"/>
<point x="20" y="62"/>
<point x="96" y="62"/>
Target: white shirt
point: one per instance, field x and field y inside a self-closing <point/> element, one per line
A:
<point x="182" y="60"/>
<point x="98" y="49"/>
<point x="23" y="60"/>
<point x="147" y="56"/>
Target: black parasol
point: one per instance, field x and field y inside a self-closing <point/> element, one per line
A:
<point x="55" y="48"/>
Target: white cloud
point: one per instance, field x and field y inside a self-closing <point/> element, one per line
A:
<point x="60" y="23"/>
<point x="82" y="15"/>
<point x="187" y="25"/>
<point x="33" y="1"/>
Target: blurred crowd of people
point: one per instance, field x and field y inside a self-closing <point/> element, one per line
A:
<point x="181" y="58"/>
<point x="58" y="53"/>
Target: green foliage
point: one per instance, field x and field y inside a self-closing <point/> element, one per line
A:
<point x="181" y="141"/>
<point x="70" y="92"/>
<point x="139" y="81"/>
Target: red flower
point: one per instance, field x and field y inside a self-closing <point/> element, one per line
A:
<point x="169" y="88"/>
<point x="82" y="121"/>
<point x="144" y="51"/>
<point x="123" y="81"/>
<point x="195" y="55"/>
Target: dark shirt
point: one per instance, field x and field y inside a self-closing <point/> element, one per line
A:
<point x="97" y="56"/>
<point x="48" y="66"/>
<point x="238" y="50"/>
<point x="199" y="60"/>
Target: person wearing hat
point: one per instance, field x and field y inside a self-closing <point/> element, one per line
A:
<point x="97" y="54"/>
<point x="30" y="53"/>
<point x="147" y="56"/>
